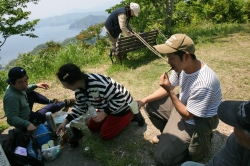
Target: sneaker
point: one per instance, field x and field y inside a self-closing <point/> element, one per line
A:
<point x="156" y="139"/>
<point x="54" y="101"/>
<point x="69" y="102"/>
<point x="139" y="118"/>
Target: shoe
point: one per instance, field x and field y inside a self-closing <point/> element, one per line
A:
<point x="156" y="139"/>
<point x="54" y="101"/>
<point x="69" y="102"/>
<point x="139" y="118"/>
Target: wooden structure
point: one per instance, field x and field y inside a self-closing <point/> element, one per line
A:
<point x="132" y="43"/>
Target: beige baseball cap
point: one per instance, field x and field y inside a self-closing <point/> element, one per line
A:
<point x="135" y="7"/>
<point x="175" y="43"/>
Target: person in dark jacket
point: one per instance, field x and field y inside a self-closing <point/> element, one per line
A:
<point x="118" y="21"/>
<point x="236" y="150"/>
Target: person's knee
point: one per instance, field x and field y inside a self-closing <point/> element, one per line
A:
<point x="106" y="136"/>
<point x="161" y="159"/>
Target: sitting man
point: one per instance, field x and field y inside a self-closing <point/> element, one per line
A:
<point x="19" y="98"/>
<point x="182" y="118"/>
<point x="236" y="151"/>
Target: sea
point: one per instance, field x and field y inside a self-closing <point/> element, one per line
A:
<point x="17" y="44"/>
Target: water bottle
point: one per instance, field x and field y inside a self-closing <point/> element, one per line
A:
<point x="51" y="124"/>
<point x="69" y="131"/>
<point x="134" y="107"/>
<point x="92" y="111"/>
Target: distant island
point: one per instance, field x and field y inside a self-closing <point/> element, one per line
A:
<point x="84" y="23"/>
<point x="67" y="19"/>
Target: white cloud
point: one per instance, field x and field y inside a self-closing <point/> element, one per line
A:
<point x="48" y="8"/>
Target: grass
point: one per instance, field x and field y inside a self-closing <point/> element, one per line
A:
<point x="225" y="51"/>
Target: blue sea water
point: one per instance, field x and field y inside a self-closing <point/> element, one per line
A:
<point x="22" y="44"/>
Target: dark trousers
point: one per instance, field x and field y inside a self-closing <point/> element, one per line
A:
<point x="39" y="116"/>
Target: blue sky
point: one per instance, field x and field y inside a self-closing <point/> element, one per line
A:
<point x="48" y="8"/>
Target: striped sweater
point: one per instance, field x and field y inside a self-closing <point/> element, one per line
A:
<point x="104" y="94"/>
<point x="200" y="92"/>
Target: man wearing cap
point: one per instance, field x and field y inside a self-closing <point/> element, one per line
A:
<point x="118" y="21"/>
<point x="186" y="120"/>
<point x="236" y="151"/>
<point x="19" y="98"/>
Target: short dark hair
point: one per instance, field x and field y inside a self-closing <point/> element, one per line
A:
<point x="70" y="73"/>
<point x="16" y="73"/>
<point x="181" y="53"/>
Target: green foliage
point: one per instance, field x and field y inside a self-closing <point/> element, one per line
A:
<point x="207" y="32"/>
<point x="3" y="78"/>
<point x="51" y="47"/>
<point x="3" y="126"/>
<point x="246" y="8"/>
<point x="91" y="32"/>
<point x="186" y="13"/>
<point x="69" y="41"/>
<point x="197" y="11"/>
<point x="11" y="13"/>
<point x="90" y="38"/>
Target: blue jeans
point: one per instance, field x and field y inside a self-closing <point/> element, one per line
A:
<point x="40" y="115"/>
<point x="191" y="163"/>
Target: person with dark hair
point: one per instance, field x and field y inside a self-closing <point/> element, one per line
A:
<point x="20" y="97"/>
<point x="185" y="120"/>
<point x="236" y="150"/>
<point x="108" y="99"/>
<point x="118" y="21"/>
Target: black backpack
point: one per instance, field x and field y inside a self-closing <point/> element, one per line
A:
<point x="17" y="138"/>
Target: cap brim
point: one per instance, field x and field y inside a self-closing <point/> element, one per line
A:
<point x="227" y="112"/>
<point x="164" y="49"/>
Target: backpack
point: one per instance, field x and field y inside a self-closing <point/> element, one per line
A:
<point x="17" y="138"/>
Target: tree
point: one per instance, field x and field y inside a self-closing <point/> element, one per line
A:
<point x="11" y="16"/>
<point x="90" y="35"/>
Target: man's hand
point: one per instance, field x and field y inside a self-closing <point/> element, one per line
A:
<point x="164" y="82"/>
<point x="141" y="103"/>
<point x="42" y="85"/>
<point x="31" y="129"/>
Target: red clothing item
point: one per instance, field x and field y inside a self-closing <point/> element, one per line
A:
<point x="111" y="126"/>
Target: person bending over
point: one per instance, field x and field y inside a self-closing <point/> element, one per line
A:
<point x="118" y="21"/>
<point x="102" y="93"/>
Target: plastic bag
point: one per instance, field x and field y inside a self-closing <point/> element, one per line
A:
<point x="58" y="117"/>
<point x="50" y="154"/>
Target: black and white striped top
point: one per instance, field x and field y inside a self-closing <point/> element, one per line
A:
<point x="199" y="91"/>
<point x="104" y="94"/>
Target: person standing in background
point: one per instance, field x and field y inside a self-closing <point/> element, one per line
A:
<point x="118" y="21"/>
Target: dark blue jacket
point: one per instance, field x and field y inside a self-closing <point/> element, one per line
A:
<point x="112" y="22"/>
